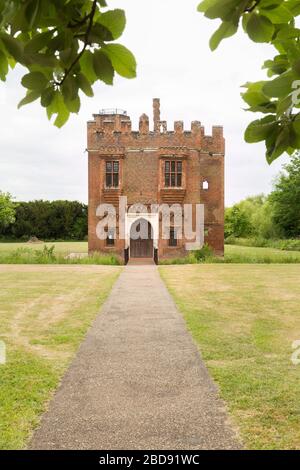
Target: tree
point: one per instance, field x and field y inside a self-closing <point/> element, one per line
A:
<point x="49" y="220"/>
<point x="66" y="45"/>
<point x="273" y="22"/>
<point x="285" y="199"/>
<point x="252" y="217"/>
<point x="7" y="210"/>
<point x="237" y="222"/>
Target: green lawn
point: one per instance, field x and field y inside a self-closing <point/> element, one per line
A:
<point x="45" y="312"/>
<point x="242" y="254"/>
<point x="244" y="319"/>
<point x="235" y="253"/>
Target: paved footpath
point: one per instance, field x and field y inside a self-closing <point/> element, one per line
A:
<point x="138" y="381"/>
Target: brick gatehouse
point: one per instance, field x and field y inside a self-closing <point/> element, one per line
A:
<point x="154" y="167"/>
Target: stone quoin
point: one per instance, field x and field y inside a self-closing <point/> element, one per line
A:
<point x="154" y="167"/>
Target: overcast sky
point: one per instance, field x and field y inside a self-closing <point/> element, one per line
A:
<point x="170" y="41"/>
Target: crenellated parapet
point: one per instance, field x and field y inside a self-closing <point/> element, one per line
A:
<point x="114" y="126"/>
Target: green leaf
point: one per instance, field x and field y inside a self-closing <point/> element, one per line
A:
<point x="103" y="67"/>
<point x="282" y="143"/>
<point x="114" y="21"/>
<point x="293" y="6"/>
<point x="34" y="81"/>
<point x="87" y="68"/>
<point x="3" y="66"/>
<point x="69" y="88"/>
<point x="280" y="86"/>
<point x="30" y="97"/>
<point x="62" y="117"/>
<point x="277" y="15"/>
<point x="220" y="9"/>
<point x="13" y="46"/>
<point x="203" y="6"/>
<point x="258" y="130"/>
<point x="84" y="84"/>
<point x="44" y="60"/>
<point x="295" y="134"/>
<point x="296" y="67"/>
<point x="259" y="28"/>
<point x="58" y="107"/>
<point x="74" y="105"/>
<point x="100" y="33"/>
<point x="122" y="59"/>
<point x="288" y="32"/>
<point x="38" y="42"/>
<point x="254" y="95"/>
<point x="31" y="12"/>
<point x="283" y="105"/>
<point x="68" y="55"/>
<point x="54" y="105"/>
<point x="225" y="30"/>
<point x="47" y="96"/>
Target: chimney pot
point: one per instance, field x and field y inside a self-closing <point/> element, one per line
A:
<point x="156" y="114"/>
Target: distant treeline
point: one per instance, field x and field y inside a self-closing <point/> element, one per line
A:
<point x="276" y="216"/>
<point x="48" y="220"/>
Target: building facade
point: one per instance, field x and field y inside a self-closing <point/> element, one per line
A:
<point x="152" y="168"/>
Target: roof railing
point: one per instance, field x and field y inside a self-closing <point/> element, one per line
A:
<point x="113" y="111"/>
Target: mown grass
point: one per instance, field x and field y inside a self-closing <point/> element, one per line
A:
<point x="244" y="319"/>
<point x="242" y="255"/>
<point x="279" y="244"/>
<point x="45" y="313"/>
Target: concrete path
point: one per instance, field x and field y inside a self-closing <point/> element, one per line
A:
<point x="138" y="381"/>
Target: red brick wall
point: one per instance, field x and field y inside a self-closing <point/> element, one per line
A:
<point x="141" y="156"/>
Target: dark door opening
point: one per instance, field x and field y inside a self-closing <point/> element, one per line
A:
<point x="141" y="239"/>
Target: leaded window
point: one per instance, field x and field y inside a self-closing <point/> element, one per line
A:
<point x="173" y="173"/>
<point x="112" y="174"/>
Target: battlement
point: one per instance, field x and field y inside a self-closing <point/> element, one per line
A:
<point x="114" y="123"/>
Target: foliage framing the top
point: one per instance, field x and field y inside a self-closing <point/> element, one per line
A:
<point x="273" y="22"/>
<point x="66" y="45"/>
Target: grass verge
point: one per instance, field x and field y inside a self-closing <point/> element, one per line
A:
<point x="245" y="319"/>
<point x="45" y="313"/>
<point x="242" y="255"/>
<point x="280" y="244"/>
<point x="47" y="255"/>
<point x="60" y="247"/>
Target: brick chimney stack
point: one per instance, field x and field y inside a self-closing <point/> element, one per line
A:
<point x="156" y="114"/>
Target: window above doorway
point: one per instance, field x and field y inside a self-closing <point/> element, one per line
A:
<point x="112" y="170"/>
<point x="173" y="174"/>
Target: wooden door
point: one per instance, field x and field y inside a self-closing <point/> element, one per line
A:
<point x="142" y="248"/>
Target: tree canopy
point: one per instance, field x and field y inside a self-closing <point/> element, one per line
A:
<point x="65" y="45"/>
<point x="7" y="210"/>
<point x="285" y="199"/>
<point x="48" y="220"/>
<point x="278" y="98"/>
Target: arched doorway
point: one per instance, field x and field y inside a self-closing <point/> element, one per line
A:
<point x="141" y="239"/>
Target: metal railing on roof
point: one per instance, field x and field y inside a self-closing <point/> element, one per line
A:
<point x="113" y="111"/>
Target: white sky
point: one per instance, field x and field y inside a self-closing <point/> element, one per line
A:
<point x="170" y="41"/>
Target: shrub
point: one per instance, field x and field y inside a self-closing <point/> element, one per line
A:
<point x="204" y="253"/>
